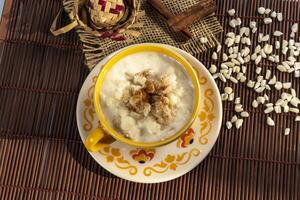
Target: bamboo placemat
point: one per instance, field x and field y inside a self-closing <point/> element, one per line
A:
<point x="42" y="157"/>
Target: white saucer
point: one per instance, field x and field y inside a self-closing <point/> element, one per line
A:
<point x="162" y="163"/>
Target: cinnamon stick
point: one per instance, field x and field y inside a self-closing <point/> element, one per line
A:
<point x="180" y="16"/>
<point x="167" y="15"/>
<point x="191" y="15"/>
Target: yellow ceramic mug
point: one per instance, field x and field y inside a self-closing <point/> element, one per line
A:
<point x="105" y="134"/>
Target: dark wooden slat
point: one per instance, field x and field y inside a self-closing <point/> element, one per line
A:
<point x="42" y="157"/>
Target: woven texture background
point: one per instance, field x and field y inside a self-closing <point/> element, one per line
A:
<point x="154" y="30"/>
<point x="42" y="157"/>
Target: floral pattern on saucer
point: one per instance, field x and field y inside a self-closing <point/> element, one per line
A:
<point x="172" y="160"/>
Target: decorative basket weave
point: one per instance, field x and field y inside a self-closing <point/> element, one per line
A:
<point x="115" y="19"/>
<point x="106" y="13"/>
<point x="139" y="19"/>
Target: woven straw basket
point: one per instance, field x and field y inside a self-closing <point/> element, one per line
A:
<point x="115" y="19"/>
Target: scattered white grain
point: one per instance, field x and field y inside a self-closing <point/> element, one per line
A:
<point x="287" y="85"/>
<point x="245" y="52"/>
<point x="268" y="110"/>
<point x="239" y="123"/>
<point x="295" y="101"/>
<point x="238" y="21"/>
<point x="273" y="14"/>
<point x="269" y="104"/>
<point x="268" y="87"/>
<point x="224" y="97"/>
<point x="261" y="10"/>
<point x="252" y="24"/>
<point x="228" y="125"/>
<point x="258" y="70"/>
<point x="253" y="56"/>
<point x="254" y="30"/>
<point x="282" y="68"/>
<point x="278" y="85"/>
<point x="231" y="12"/>
<point x="268" y="74"/>
<point x="268" y="49"/>
<point x="237" y="39"/>
<point x="267" y="20"/>
<point x="287" y="131"/>
<point x="250" y="84"/>
<point x="284" y="95"/>
<point x="214" y="56"/>
<point x="233" y="119"/>
<point x="286" y="109"/>
<point x="257" y="49"/>
<point x="231" y="97"/>
<point x="277" y="45"/>
<point x="213" y="69"/>
<point x="235" y="61"/>
<point x="238" y="108"/>
<point x="228" y="90"/>
<point x="232" y="23"/>
<point x="267" y="11"/>
<point x="219" y="47"/>
<point x="237" y="100"/>
<point x="265" y="38"/>
<point x="233" y="79"/>
<point x="297" y="65"/>
<point x="263" y="54"/>
<point x="294" y="110"/>
<point x="258" y="59"/>
<point x="261" y="99"/>
<point x="248" y="41"/>
<point x="295" y="28"/>
<point x="240" y="59"/>
<point x="234" y="55"/>
<point x="277" y="109"/>
<point x="293" y="92"/>
<point x="224" y="57"/>
<point x="244" y="69"/>
<point x="279" y="17"/>
<point x="254" y="103"/>
<point x="244" y="114"/>
<point x="271" y="58"/>
<point x="221" y="77"/>
<point x="243" y="79"/>
<point x="291" y="43"/>
<point x="229" y="42"/>
<point x="230" y="34"/>
<point x="277" y="33"/>
<point x="266" y="97"/>
<point x="239" y="75"/>
<point x="247" y="59"/>
<point x="236" y="69"/>
<point x="270" y="121"/>
<point x="276" y="58"/>
<point x="279" y="102"/>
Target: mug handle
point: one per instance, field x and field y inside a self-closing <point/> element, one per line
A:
<point x="93" y="142"/>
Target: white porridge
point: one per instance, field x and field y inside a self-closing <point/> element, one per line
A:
<point x="147" y="96"/>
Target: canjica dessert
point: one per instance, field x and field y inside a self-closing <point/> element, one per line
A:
<point x="147" y="96"/>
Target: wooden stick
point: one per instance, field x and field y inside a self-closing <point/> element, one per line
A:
<point x="166" y="14"/>
<point x="191" y="15"/>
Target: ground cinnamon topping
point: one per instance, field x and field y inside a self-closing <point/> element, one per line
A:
<point x="150" y="95"/>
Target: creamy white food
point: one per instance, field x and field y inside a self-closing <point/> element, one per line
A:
<point x="146" y="128"/>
